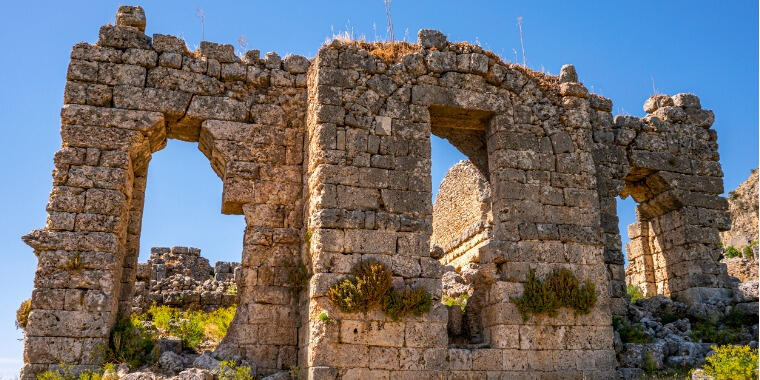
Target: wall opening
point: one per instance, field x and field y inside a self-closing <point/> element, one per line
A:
<point x="462" y="218"/>
<point x="654" y="236"/>
<point x="188" y="250"/>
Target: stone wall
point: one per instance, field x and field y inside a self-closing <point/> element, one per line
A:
<point x="329" y="161"/>
<point x="462" y="219"/>
<point x="668" y="162"/>
<point x="181" y="277"/>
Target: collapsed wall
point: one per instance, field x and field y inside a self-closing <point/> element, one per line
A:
<point x="181" y="277"/>
<point x="329" y="161"/>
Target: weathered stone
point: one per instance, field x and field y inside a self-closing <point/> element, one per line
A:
<point x="567" y="74"/>
<point x="431" y="38"/>
<point x="224" y="53"/>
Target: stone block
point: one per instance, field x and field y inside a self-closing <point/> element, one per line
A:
<point x="373" y="333"/>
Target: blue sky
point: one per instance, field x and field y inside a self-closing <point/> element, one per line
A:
<point x="619" y="49"/>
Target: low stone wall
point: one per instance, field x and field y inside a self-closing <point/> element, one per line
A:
<point x="181" y="277"/>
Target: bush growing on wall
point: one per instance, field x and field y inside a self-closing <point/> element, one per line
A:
<point x="559" y="289"/>
<point x="370" y="286"/>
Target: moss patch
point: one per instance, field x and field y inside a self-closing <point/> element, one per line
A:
<point x="559" y="289"/>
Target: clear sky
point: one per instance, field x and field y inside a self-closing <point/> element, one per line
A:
<point x="620" y="50"/>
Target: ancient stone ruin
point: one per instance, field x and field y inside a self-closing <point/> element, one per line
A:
<point x="329" y="160"/>
<point x="181" y="277"/>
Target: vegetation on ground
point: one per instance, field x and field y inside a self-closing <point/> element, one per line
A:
<point x="732" y="362"/>
<point x="369" y="286"/>
<point x="630" y="332"/>
<point x="229" y="370"/>
<point x="66" y="372"/>
<point x="559" y="289"/>
<point x="132" y="342"/>
<point x="635" y="292"/>
<point x="193" y="327"/>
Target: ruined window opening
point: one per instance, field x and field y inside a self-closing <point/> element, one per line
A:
<point x="652" y="233"/>
<point x="462" y="218"/>
<point x="188" y="255"/>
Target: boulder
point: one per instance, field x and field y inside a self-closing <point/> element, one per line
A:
<point x="196" y="374"/>
<point x="171" y="362"/>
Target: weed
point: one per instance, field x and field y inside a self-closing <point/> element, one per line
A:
<point x="324" y="318"/>
<point x="229" y="370"/>
<point x="400" y="303"/>
<point x="650" y="365"/>
<point x="559" y="289"/>
<point x="630" y="333"/>
<point x="294" y="372"/>
<point x="22" y="313"/>
<point x="298" y="277"/>
<point x="635" y="292"/>
<point x="74" y="263"/>
<point x="131" y="343"/>
<point x="732" y="362"/>
<point x="232" y="289"/>
<point x="370" y="282"/>
<point x="731" y="252"/>
<point x="307" y="236"/>
<point x="460" y="301"/>
<point x="370" y="286"/>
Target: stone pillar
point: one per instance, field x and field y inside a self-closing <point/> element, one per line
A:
<point x="369" y="199"/>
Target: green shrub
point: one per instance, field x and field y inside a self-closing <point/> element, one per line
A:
<point x="400" y="303"/>
<point x="731" y="252"/>
<point x="161" y="315"/>
<point x="630" y="333"/>
<point x="22" y="313"/>
<point x="131" y="343"/>
<point x="229" y="370"/>
<point x="460" y="301"/>
<point x="559" y="289"/>
<point x="232" y="289"/>
<point x="708" y="331"/>
<point x="732" y="362"/>
<point x="370" y="286"/>
<point x="635" y="292"/>
<point x="189" y="329"/>
<point x="737" y="318"/>
<point x="364" y="290"/>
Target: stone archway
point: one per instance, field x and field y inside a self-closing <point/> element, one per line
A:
<point x="124" y="97"/>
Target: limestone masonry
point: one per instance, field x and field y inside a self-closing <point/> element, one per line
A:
<point x="180" y="277"/>
<point x="329" y="160"/>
